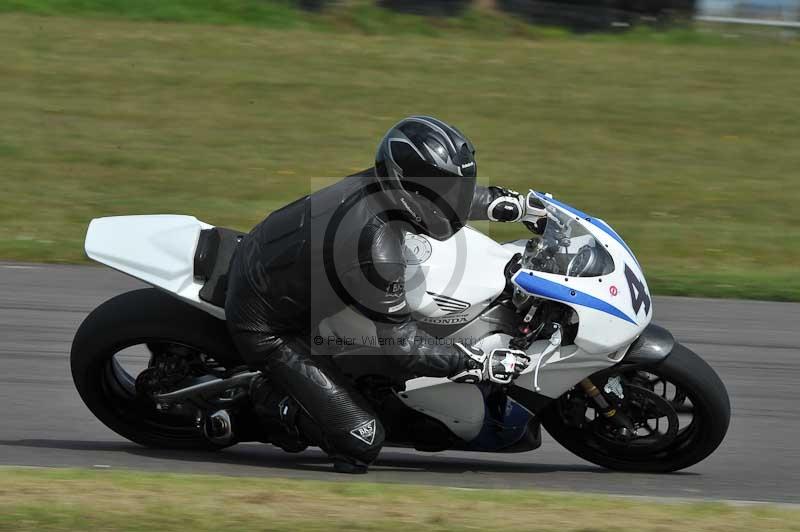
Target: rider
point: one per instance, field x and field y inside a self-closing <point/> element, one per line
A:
<point x="335" y="257"/>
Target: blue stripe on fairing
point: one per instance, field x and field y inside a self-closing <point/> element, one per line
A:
<point x="542" y="287"/>
<point x="592" y="220"/>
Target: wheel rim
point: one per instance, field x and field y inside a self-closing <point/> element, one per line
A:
<point x="120" y="386"/>
<point x="666" y="418"/>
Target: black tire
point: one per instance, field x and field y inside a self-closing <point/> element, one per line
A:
<point x="711" y="411"/>
<point x="140" y="317"/>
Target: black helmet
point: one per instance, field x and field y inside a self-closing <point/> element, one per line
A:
<point x="427" y="169"/>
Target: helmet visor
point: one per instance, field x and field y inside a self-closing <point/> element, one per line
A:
<point x="442" y="200"/>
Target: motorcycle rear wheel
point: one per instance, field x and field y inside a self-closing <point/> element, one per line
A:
<point x="146" y="317"/>
<point x="690" y="379"/>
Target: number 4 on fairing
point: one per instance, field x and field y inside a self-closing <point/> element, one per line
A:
<point x="639" y="295"/>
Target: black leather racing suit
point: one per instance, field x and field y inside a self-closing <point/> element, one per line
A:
<point x="335" y="252"/>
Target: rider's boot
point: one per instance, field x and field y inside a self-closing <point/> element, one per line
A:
<point x="278" y="413"/>
<point x="288" y="425"/>
<point x="325" y="408"/>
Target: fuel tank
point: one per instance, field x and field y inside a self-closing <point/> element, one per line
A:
<point x="451" y="282"/>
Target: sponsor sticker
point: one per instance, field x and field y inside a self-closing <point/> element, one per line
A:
<point x="365" y="432"/>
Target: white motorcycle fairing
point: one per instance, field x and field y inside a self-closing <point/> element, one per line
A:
<point x="610" y="309"/>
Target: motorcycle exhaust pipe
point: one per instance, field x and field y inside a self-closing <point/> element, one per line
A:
<point x="218" y="428"/>
<point x="209" y="387"/>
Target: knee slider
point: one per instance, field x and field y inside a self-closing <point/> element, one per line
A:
<point x="362" y="443"/>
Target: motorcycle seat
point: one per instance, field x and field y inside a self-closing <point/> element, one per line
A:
<point x="212" y="259"/>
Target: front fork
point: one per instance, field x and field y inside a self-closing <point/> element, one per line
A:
<point x="606" y="409"/>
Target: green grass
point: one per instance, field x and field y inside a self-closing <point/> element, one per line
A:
<point x="690" y="150"/>
<point x="72" y="499"/>
<point x="266" y="13"/>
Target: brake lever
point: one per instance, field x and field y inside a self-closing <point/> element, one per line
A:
<point x="555" y="343"/>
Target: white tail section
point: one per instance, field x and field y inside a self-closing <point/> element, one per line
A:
<point x="158" y="249"/>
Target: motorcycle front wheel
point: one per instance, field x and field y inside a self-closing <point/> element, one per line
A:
<point x="679" y="409"/>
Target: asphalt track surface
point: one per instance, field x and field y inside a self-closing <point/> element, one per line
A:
<point x="753" y="346"/>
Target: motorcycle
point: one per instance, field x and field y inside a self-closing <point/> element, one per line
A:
<point x="606" y="383"/>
